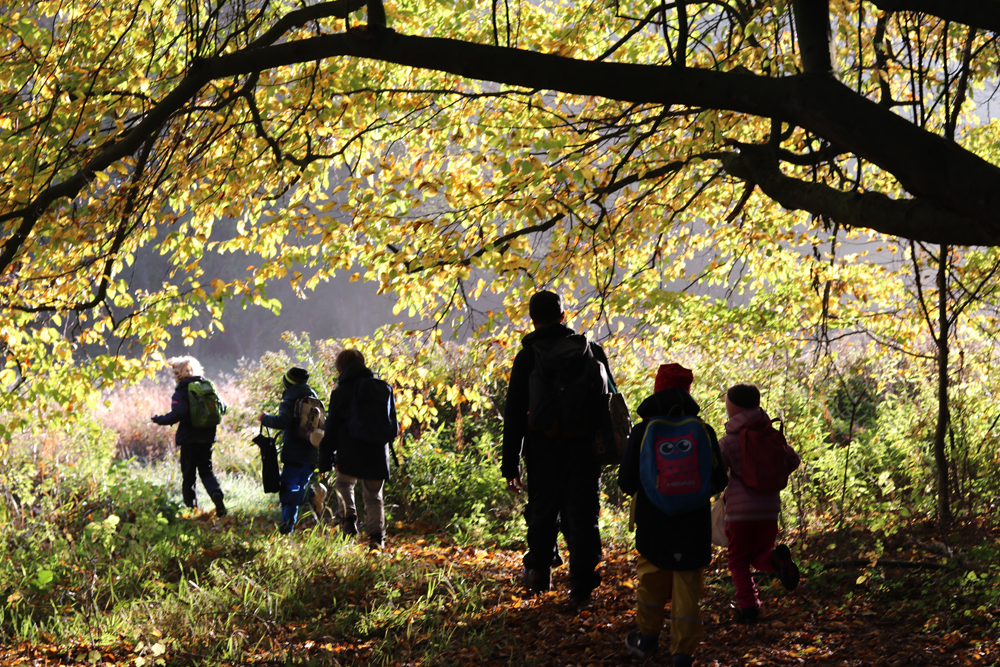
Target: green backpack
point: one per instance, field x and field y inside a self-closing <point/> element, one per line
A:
<point x="205" y="404"/>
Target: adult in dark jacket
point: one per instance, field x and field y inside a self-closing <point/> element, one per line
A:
<point x="672" y="549"/>
<point x="564" y="479"/>
<point x="195" y="442"/>
<point x="355" y="459"/>
<point x="298" y="455"/>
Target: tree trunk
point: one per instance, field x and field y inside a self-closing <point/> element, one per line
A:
<point x="812" y="22"/>
<point x="940" y="458"/>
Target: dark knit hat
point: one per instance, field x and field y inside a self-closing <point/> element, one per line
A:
<point x="744" y="396"/>
<point x="545" y="306"/>
<point x="295" y="375"/>
<point x="673" y="376"/>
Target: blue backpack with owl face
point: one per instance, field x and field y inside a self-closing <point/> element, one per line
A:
<point x="675" y="464"/>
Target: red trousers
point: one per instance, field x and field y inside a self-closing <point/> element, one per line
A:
<point x="750" y="545"/>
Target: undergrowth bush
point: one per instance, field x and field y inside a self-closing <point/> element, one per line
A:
<point x="449" y="486"/>
<point x="862" y="420"/>
<point x="97" y="556"/>
<point x="82" y="540"/>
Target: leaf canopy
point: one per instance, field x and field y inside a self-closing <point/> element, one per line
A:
<point x="616" y="151"/>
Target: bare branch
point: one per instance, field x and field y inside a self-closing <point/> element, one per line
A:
<point x="983" y="14"/>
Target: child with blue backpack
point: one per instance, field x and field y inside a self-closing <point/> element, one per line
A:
<point x="672" y="466"/>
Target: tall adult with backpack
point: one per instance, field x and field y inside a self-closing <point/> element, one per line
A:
<point x="360" y="428"/>
<point x="671" y="467"/>
<point x="759" y="461"/>
<point x="197" y="409"/>
<point x="557" y="386"/>
<point x="299" y="413"/>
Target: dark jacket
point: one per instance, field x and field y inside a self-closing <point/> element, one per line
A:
<point x="353" y="457"/>
<point x="669" y="542"/>
<point x="180" y="414"/>
<point x="296" y="450"/>
<point x="515" y="419"/>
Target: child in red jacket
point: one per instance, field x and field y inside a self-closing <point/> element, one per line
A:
<point x="751" y="516"/>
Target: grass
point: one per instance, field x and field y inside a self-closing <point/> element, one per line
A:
<point x="135" y="584"/>
<point x="116" y="561"/>
<point x="100" y="564"/>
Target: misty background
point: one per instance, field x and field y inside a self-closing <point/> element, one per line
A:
<point x="335" y="309"/>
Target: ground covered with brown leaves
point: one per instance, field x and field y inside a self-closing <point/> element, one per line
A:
<point x="919" y="598"/>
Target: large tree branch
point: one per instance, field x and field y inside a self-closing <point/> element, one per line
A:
<point x="299" y="17"/>
<point x="812" y="22"/>
<point x="939" y="173"/>
<point x="984" y="14"/>
<point x="907" y="218"/>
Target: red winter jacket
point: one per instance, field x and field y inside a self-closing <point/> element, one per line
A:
<point x="743" y="503"/>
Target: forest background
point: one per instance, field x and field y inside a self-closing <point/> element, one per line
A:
<point x="800" y="195"/>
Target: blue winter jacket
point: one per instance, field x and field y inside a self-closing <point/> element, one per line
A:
<point x="296" y="450"/>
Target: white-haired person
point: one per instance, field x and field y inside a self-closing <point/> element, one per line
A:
<point x="195" y="442"/>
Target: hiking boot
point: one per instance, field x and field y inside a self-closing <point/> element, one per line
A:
<point x="349" y="525"/>
<point x="640" y="645"/>
<point x="788" y="573"/>
<point x="579" y="598"/>
<point x="749" y="615"/>
<point x="376" y="542"/>
<point x="318" y="500"/>
<point x="220" y="507"/>
<point x="536" y="580"/>
<point x="683" y="660"/>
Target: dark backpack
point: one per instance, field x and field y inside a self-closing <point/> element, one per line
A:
<point x="373" y="412"/>
<point x="270" y="475"/>
<point x="204" y="404"/>
<point x="765" y="456"/>
<point x="612" y="435"/>
<point x="675" y="464"/>
<point x="566" y="388"/>
<point x="308" y="416"/>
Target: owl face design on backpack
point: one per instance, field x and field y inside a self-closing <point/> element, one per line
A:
<point x="677" y="465"/>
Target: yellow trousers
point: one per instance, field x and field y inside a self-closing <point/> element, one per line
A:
<point x="683" y="589"/>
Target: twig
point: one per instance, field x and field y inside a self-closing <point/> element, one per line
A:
<point x="908" y="564"/>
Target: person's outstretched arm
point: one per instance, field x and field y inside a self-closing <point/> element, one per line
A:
<point x="178" y="409"/>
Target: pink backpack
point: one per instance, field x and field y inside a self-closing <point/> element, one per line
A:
<point x="766" y="461"/>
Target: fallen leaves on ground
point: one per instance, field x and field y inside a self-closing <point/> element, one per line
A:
<point x="831" y="619"/>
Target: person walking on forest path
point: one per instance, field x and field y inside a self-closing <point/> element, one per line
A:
<point x="753" y="499"/>
<point x="673" y="546"/>
<point x="298" y="455"/>
<point x="557" y="383"/>
<point x="197" y="409"/>
<point x="360" y="427"/>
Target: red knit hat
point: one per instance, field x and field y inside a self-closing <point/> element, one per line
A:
<point x="673" y="375"/>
